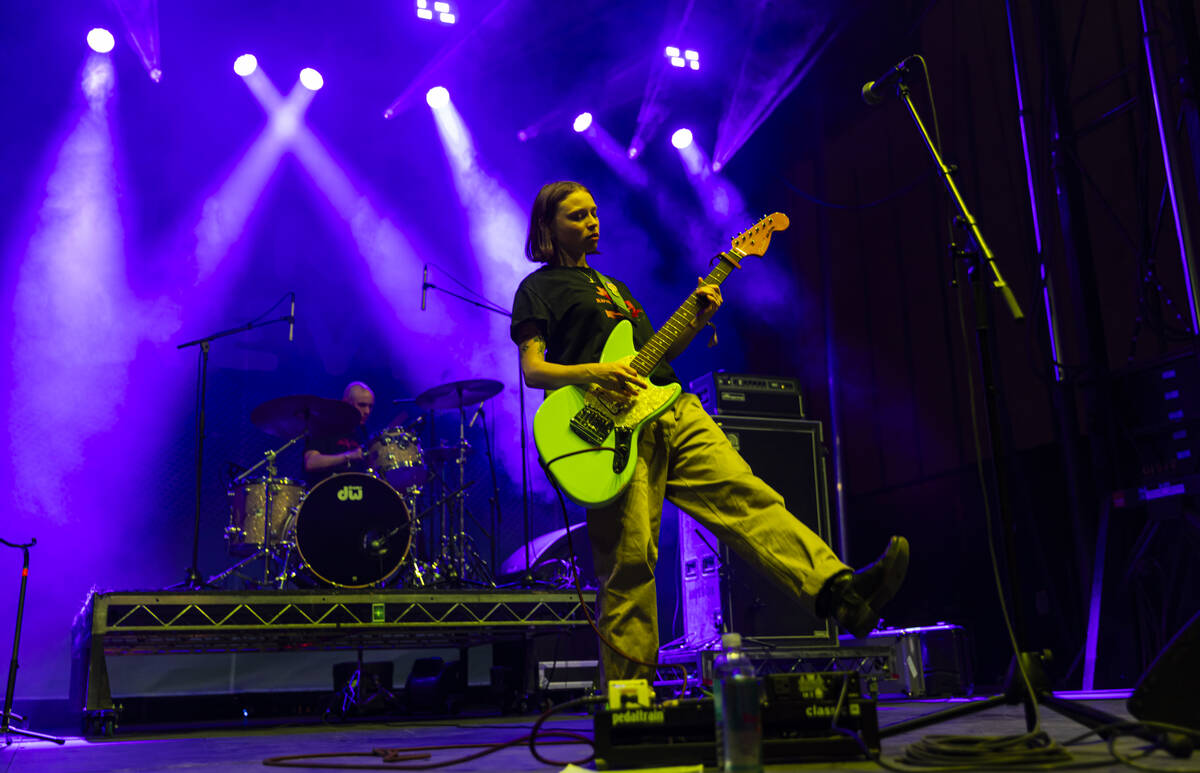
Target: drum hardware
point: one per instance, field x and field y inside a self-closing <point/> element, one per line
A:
<point x="457" y="548"/>
<point x="395" y="454"/>
<point x="263" y="509"/>
<point x="262" y="530"/>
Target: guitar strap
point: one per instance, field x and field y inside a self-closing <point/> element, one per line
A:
<point x="613" y="292"/>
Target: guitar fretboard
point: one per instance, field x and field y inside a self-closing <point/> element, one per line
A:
<point x="648" y="357"/>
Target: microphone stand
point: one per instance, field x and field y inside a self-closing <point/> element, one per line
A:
<point x="1027" y="682"/>
<point x="192" y="579"/>
<point x="527" y="577"/>
<point x="6" y="725"/>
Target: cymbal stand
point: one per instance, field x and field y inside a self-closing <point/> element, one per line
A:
<point x="459" y="543"/>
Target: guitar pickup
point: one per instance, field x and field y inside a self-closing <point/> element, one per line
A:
<point x="624" y="439"/>
<point x="591" y="425"/>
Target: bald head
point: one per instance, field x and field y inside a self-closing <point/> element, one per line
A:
<point x="361" y="397"/>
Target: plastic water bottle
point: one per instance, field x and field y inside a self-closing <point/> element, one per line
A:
<point x="737" y="707"/>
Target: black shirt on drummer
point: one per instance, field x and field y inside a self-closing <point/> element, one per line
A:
<point x="325" y="456"/>
<point x="335" y="445"/>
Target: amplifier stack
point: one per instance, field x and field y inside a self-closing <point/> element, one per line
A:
<point x="787" y="451"/>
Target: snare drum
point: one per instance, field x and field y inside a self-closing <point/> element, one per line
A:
<point x="396" y="455"/>
<point x="352" y="530"/>
<point x="250" y="527"/>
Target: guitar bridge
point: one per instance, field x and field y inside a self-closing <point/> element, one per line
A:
<point x="591" y="425"/>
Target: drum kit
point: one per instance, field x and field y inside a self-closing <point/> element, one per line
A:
<point x="358" y="529"/>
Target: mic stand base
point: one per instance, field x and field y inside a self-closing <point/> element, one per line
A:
<point x="1015" y="693"/>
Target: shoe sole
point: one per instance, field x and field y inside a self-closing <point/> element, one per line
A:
<point x="894" y="573"/>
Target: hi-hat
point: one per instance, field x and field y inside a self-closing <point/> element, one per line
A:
<point x="459" y="394"/>
<point x="294" y="415"/>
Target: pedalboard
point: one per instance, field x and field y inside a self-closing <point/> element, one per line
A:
<point x="806" y="717"/>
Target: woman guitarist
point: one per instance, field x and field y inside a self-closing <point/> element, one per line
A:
<point x="562" y="315"/>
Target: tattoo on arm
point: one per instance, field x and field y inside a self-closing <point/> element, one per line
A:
<point x="537" y="344"/>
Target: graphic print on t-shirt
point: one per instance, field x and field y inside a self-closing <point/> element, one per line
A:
<point x="603" y="298"/>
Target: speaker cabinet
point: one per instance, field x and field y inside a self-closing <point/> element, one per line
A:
<point x="719" y="588"/>
<point x="1167" y="691"/>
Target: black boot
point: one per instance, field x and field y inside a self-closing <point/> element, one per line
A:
<point x="855" y="598"/>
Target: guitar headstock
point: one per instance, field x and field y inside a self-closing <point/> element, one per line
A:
<point x="755" y="239"/>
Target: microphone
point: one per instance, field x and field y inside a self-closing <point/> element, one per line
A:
<point x="424" y="285"/>
<point x="292" y="318"/>
<point x="874" y="92"/>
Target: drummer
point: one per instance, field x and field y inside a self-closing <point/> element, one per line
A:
<point x="325" y="455"/>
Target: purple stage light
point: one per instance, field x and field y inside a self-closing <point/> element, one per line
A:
<point x="716" y="166"/>
<point x="446" y="18"/>
<point x="681" y="138"/>
<point x="437" y="97"/>
<point x="672" y="52"/>
<point x="245" y="64"/>
<point x="582" y="122"/>
<point x="100" y="40"/>
<point x="311" y="79"/>
<point x="98" y="80"/>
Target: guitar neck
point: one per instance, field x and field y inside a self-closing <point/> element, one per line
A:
<point x="679" y="325"/>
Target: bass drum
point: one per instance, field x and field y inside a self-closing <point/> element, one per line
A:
<point x="352" y="531"/>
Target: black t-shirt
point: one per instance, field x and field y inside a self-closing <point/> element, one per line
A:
<point x="334" y="444"/>
<point x="575" y="312"/>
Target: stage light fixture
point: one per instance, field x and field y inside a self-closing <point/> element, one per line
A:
<point x="716" y="166"/>
<point x="437" y="97"/>
<point x="685" y="58"/>
<point x="445" y="14"/>
<point x="582" y="122"/>
<point x="681" y="138"/>
<point x="245" y="64"/>
<point x="100" y="40"/>
<point x="311" y="79"/>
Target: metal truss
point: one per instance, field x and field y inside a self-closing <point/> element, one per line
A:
<point x="145" y="623"/>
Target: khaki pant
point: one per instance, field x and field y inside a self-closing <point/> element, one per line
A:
<point x="683" y="456"/>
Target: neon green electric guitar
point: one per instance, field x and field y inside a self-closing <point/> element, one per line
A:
<point x="587" y="437"/>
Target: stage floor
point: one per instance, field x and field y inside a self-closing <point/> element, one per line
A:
<point x="235" y="750"/>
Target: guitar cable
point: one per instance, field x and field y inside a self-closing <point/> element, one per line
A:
<point x="588" y="613"/>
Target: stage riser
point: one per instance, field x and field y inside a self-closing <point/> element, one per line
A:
<point x="158" y="623"/>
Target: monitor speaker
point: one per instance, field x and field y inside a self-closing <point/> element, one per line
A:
<point x="717" y="587"/>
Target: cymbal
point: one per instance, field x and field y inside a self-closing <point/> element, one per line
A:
<point x="459" y="394"/>
<point x="294" y="415"/>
